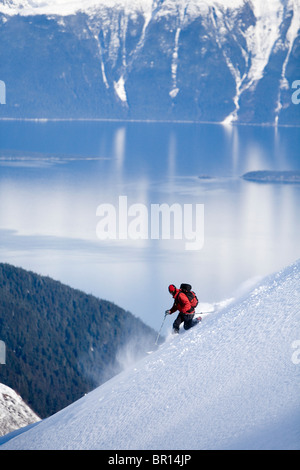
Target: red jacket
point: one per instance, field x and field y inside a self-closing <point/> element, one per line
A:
<point x="181" y="303"/>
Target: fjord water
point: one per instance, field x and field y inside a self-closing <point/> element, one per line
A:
<point x="54" y="175"/>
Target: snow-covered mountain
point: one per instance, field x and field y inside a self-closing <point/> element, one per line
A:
<point x="14" y="412"/>
<point x="230" y="383"/>
<point x="207" y="60"/>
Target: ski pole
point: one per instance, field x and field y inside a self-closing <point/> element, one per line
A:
<point x="161" y="328"/>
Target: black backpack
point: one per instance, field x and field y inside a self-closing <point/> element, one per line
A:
<point x="187" y="290"/>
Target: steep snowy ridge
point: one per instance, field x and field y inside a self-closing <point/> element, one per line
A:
<point x="260" y="40"/>
<point x="14" y="412"/>
<point x="291" y="36"/>
<point x="232" y="382"/>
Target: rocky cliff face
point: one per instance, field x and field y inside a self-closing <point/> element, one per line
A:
<point x="14" y="412"/>
<point x="204" y="60"/>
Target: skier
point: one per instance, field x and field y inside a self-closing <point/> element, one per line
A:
<point x="185" y="301"/>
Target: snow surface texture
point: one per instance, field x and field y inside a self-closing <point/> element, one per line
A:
<point x="230" y="383"/>
<point x="14" y="413"/>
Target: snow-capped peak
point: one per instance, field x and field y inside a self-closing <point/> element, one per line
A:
<point x="69" y="7"/>
<point x="62" y="7"/>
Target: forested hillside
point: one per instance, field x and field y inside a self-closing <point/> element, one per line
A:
<point x="60" y="342"/>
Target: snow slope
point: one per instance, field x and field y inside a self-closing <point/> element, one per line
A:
<point x="14" y="412"/>
<point x="230" y="383"/>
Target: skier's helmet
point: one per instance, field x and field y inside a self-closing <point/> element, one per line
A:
<point x="172" y="289"/>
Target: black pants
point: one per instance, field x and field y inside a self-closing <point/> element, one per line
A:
<point x="187" y="318"/>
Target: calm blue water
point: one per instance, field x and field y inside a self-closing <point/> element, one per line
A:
<point x="54" y="175"/>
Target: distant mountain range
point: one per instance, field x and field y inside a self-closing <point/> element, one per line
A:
<point x="60" y="342"/>
<point x="199" y="60"/>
